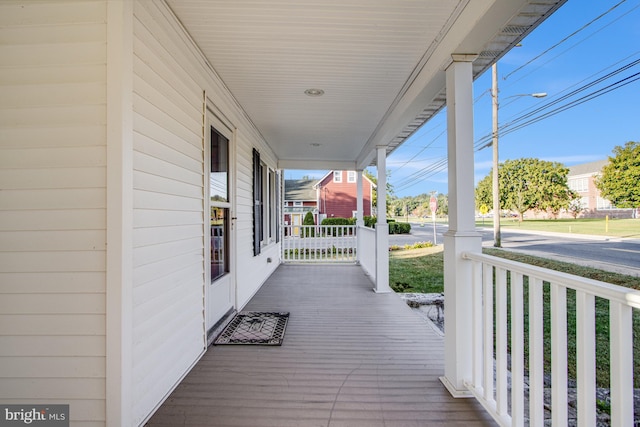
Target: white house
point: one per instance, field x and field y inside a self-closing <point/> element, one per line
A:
<point x="141" y="144"/>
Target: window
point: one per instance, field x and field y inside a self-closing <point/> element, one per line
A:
<point x="297" y="204"/>
<point x="337" y="176"/>
<point x="584" y="202"/>
<point x="266" y="193"/>
<point x="580" y="185"/>
<point x="257" y="202"/>
<point x="219" y="205"/>
<point x="272" y="205"/>
<point x="603" y="204"/>
<point x="351" y="176"/>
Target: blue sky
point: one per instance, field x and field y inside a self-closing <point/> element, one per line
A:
<point x="583" y="133"/>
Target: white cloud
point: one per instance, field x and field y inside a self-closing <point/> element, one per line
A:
<point x="484" y="165"/>
<point x="572" y="160"/>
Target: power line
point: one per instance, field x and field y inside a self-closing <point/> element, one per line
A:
<point x="532" y="117"/>
<point x="564" y="39"/>
<point x="574" y="45"/>
<point x="593" y="95"/>
<point x="481" y="142"/>
<point x="475" y="101"/>
<point x="545" y="111"/>
<point x="573" y="93"/>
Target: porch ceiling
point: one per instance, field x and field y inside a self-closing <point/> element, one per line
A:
<point x="380" y="64"/>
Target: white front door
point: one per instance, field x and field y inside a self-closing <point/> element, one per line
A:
<point x="220" y="272"/>
<point x="296" y="219"/>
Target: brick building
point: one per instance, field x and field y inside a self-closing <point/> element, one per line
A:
<point x="581" y="179"/>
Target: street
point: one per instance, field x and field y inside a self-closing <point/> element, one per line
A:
<point x="618" y="255"/>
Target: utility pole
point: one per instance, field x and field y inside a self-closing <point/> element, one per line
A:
<point x="497" y="240"/>
<point x="496" y="184"/>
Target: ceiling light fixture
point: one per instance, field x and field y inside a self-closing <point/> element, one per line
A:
<point x="314" y="92"/>
<point x="315" y="144"/>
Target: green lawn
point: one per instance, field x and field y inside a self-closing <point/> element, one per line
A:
<point x="594" y="226"/>
<point x="417" y="270"/>
<point x="421" y="270"/>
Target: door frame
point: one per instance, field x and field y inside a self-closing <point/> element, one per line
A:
<point x="216" y="120"/>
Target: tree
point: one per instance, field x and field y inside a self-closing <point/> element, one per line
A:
<point x="418" y="205"/>
<point x="374" y="197"/>
<point x="484" y="192"/>
<point x="620" y="177"/>
<point x="528" y="183"/>
<point x="576" y="207"/>
<point x="443" y="204"/>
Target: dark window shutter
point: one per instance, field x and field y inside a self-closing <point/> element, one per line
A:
<point x="257" y="202"/>
<point x="277" y="207"/>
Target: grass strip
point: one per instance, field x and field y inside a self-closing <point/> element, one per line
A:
<point x="422" y="270"/>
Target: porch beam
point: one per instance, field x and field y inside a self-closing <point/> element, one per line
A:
<point x="461" y="236"/>
<point x="309" y="164"/>
<point x="382" y="229"/>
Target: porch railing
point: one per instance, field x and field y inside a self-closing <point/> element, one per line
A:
<point x="510" y="296"/>
<point x="319" y="243"/>
<point x="367" y="250"/>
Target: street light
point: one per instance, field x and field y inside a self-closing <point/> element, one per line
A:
<point x="496" y="188"/>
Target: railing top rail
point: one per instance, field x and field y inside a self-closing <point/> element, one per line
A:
<point x="597" y="288"/>
<point x="323" y="226"/>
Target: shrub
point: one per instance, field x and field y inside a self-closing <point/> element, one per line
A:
<point x="394" y="227"/>
<point x="399" y="228"/>
<point x="338" y="221"/>
<point x="370" y="221"/>
<point x="308" y="220"/>
<point x="419" y="245"/>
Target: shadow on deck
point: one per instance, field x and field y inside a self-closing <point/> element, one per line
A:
<point x="350" y="358"/>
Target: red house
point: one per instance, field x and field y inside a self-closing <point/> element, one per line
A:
<point x="337" y="195"/>
<point x="333" y="196"/>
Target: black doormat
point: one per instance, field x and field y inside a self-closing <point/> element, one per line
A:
<point x="251" y="327"/>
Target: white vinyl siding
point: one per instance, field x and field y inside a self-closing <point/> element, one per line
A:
<point x="168" y="215"/>
<point x="53" y="206"/>
<point x="168" y="51"/>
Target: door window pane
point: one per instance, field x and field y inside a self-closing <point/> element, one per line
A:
<point x="219" y="178"/>
<point x="219" y="193"/>
<point x="219" y="242"/>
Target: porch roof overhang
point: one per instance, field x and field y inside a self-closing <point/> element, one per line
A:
<point x="380" y="64"/>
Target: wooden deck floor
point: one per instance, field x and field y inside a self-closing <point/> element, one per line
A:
<point x="350" y="358"/>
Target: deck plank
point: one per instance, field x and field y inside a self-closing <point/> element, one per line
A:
<point x="350" y="358"/>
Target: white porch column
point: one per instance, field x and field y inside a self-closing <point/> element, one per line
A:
<point x="382" y="229"/>
<point x="119" y="233"/>
<point x="461" y="236"/>
<point x="359" y="199"/>
<point x="359" y="214"/>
